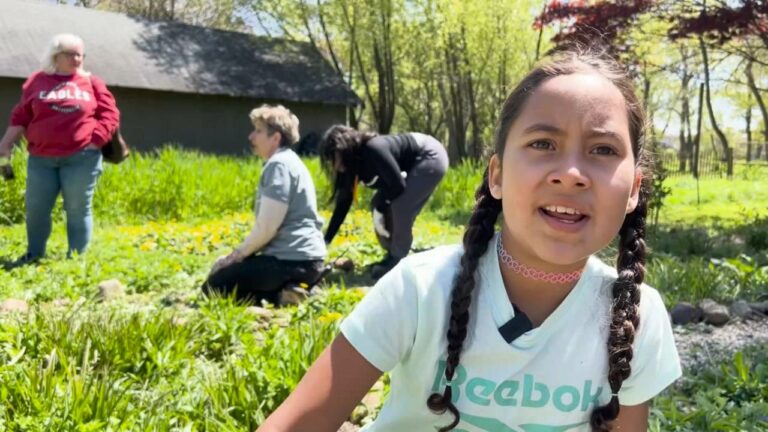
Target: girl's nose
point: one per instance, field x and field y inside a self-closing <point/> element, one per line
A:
<point x="570" y="173"/>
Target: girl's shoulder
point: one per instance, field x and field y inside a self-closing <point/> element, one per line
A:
<point x="432" y="269"/>
<point x="437" y="259"/>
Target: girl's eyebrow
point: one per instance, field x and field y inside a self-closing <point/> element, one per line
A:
<point x="543" y="127"/>
<point x="594" y="133"/>
<point x="604" y="133"/>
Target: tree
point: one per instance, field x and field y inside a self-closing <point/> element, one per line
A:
<point x="583" y="22"/>
<point x="724" y="24"/>
<point x="222" y="14"/>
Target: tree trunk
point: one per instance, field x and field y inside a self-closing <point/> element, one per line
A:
<point x="748" y="122"/>
<point x="708" y="98"/>
<point x="646" y="103"/>
<point x="685" y="156"/>
<point x="697" y="142"/>
<point x="682" y="155"/>
<point x="760" y="103"/>
<point x="453" y="100"/>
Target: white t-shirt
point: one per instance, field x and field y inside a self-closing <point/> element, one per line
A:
<point x="548" y="379"/>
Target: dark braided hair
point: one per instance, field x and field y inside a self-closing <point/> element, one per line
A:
<point x="479" y="232"/>
<point x="480" y="229"/>
<point x="625" y="314"/>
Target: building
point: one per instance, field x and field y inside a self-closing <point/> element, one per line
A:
<point x="176" y="83"/>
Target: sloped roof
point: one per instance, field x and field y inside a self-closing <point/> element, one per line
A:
<point x="135" y="53"/>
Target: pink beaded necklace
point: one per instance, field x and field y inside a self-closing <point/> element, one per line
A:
<point x="532" y="273"/>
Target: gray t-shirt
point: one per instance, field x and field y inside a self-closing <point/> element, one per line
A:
<point x="285" y="178"/>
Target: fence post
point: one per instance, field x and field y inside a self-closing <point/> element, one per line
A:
<point x="729" y="161"/>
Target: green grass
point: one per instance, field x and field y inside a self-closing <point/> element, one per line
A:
<point x="125" y="367"/>
<point x="166" y="359"/>
<point x="717" y="202"/>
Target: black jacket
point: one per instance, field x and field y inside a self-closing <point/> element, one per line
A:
<point x="379" y="164"/>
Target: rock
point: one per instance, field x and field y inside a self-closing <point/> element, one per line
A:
<point x="684" y="313"/>
<point x="344" y="264"/>
<point x="109" y="290"/>
<point x="741" y="309"/>
<point x="761" y="307"/>
<point x="14" y="305"/>
<point x="714" y="313"/>
<point x="292" y="296"/>
<point x="258" y="311"/>
<point x="62" y="302"/>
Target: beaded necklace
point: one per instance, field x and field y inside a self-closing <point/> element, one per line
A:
<point x="532" y="273"/>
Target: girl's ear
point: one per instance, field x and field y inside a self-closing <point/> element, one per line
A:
<point x="494" y="176"/>
<point x="634" y="196"/>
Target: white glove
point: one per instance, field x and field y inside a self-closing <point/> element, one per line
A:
<point x="379" y="225"/>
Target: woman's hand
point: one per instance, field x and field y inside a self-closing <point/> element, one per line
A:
<point x="6" y="171"/>
<point x="225" y="261"/>
<point x="12" y="134"/>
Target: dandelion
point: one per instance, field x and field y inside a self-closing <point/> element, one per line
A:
<point x="329" y="317"/>
<point x="148" y="246"/>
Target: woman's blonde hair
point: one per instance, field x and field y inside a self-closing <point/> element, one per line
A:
<point x="58" y="44"/>
<point x="277" y="118"/>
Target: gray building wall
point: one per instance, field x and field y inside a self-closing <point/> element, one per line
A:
<point x="214" y="124"/>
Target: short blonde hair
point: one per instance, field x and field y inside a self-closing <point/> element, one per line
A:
<point x="58" y="44"/>
<point x="277" y="118"/>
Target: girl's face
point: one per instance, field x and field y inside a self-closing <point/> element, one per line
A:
<point x="567" y="176"/>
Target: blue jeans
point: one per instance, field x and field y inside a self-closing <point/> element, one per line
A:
<point x="75" y="177"/>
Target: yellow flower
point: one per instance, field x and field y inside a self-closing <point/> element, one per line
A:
<point x="148" y="246"/>
<point x="330" y="317"/>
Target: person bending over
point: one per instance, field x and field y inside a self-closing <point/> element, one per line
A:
<point x="404" y="170"/>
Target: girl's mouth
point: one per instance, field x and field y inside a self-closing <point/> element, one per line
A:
<point x="563" y="218"/>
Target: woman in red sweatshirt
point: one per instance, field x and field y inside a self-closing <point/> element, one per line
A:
<point x="67" y="115"/>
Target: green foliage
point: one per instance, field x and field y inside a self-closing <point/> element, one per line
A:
<point x="698" y="278"/>
<point x="92" y="367"/>
<point x="722" y="397"/>
<point x="659" y="192"/>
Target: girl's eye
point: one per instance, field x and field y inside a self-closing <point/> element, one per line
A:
<point x="542" y="145"/>
<point x="604" y="150"/>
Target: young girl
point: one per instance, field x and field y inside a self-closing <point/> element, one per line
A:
<point x="521" y="330"/>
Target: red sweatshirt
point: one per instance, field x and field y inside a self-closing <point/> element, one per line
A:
<point x="62" y="114"/>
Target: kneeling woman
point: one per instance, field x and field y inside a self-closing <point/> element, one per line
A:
<point x="286" y="243"/>
<point x="404" y="169"/>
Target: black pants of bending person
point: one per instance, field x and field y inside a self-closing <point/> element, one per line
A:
<point x="421" y="182"/>
<point x="261" y="277"/>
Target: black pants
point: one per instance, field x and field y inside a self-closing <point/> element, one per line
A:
<point x="421" y="182"/>
<point x="261" y="277"/>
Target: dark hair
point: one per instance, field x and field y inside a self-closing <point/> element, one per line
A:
<point x="346" y="142"/>
<point x="630" y="265"/>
